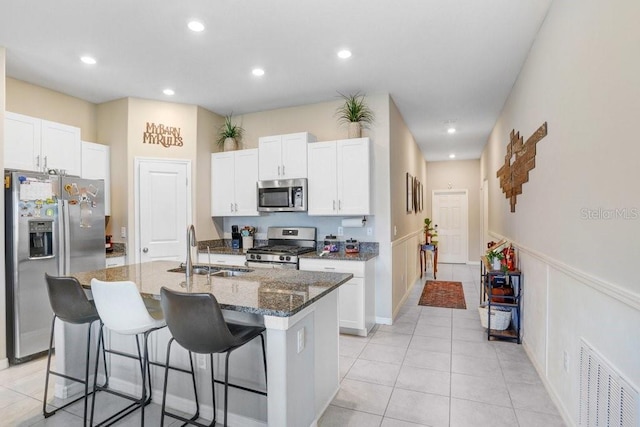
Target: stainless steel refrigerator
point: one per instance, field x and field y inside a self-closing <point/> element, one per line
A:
<point x="53" y="224"/>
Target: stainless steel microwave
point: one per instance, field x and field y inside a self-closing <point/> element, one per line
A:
<point x="282" y="195"/>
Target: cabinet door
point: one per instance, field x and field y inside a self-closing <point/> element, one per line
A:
<point x="22" y="142"/>
<point x="246" y="176"/>
<point x="116" y="261"/>
<point x="95" y="165"/>
<point x="322" y="184"/>
<point x="294" y="156"/>
<point x="351" y="304"/>
<point x="270" y="158"/>
<point x="353" y="177"/>
<point x="61" y="147"/>
<point x="222" y="178"/>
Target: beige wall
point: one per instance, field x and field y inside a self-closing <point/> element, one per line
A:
<point x="208" y="124"/>
<point x="37" y="101"/>
<point x="112" y="130"/>
<point x="577" y="256"/>
<point x="460" y="174"/>
<point x="3" y="308"/>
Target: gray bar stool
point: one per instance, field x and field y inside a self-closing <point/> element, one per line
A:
<point x="196" y="323"/>
<point x="122" y="311"/>
<point x="70" y="304"/>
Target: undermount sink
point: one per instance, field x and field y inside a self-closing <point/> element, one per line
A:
<point x="212" y="271"/>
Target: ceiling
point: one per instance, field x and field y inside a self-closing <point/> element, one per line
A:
<point x="441" y="60"/>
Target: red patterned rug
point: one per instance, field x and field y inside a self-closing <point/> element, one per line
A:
<point x="440" y="293"/>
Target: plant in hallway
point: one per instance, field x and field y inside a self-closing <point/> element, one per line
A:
<point x="355" y="113"/>
<point x="430" y="233"/>
<point x="494" y="257"/>
<point x="229" y="134"/>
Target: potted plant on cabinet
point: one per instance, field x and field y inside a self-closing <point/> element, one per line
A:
<point x="229" y="135"/>
<point x="430" y="233"/>
<point x="355" y="113"/>
<point x="494" y="257"/>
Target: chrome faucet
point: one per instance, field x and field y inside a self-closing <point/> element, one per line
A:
<point x="192" y="242"/>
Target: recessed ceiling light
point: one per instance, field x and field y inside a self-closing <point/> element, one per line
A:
<point x="452" y="156"/>
<point x="257" y="72"/>
<point x="168" y="92"/>
<point x="344" y="54"/>
<point x="451" y="130"/>
<point x="88" y="60"/>
<point x="196" y="26"/>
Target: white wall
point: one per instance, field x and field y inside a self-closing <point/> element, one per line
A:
<point x="582" y="76"/>
<point x="4" y="362"/>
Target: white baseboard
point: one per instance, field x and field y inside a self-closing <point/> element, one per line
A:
<point x="383" y="320"/>
<point x="4" y="364"/>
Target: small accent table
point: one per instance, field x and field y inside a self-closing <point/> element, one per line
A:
<point x="423" y="258"/>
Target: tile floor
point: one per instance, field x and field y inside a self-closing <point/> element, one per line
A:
<point x="433" y="367"/>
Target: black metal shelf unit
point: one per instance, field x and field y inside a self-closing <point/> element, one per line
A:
<point x="490" y="282"/>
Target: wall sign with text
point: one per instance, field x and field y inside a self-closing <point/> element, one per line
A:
<point x="159" y="134"/>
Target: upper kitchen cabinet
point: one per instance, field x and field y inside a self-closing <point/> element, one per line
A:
<point x="39" y="145"/>
<point x="339" y="177"/>
<point x="233" y="183"/>
<point x="95" y="165"/>
<point x="284" y="156"/>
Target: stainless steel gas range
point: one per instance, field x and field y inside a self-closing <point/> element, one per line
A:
<point x="284" y="246"/>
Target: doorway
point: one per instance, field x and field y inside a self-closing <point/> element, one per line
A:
<point x="162" y="207"/>
<point x="449" y="209"/>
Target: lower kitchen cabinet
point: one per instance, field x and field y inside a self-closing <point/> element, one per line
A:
<point x="116" y="261"/>
<point x="356" y="297"/>
<point x="224" y="259"/>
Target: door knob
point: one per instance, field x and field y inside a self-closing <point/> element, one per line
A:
<point x="145" y="250"/>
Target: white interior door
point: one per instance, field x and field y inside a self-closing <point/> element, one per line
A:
<point x="450" y="216"/>
<point x="164" y="208"/>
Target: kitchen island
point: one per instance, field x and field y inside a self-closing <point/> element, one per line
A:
<point x="300" y="312"/>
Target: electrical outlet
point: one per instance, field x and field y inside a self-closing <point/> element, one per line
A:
<point x="340" y="231"/>
<point x="369" y="231"/>
<point x="395" y="230"/>
<point x="201" y="361"/>
<point x="300" y="340"/>
<point x="565" y="360"/>
<point x="123" y="232"/>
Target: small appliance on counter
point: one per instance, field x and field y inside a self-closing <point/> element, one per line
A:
<point x="352" y="246"/>
<point x="331" y="243"/>
<point x="108" y="245"/>
<point x="236" y="238"/>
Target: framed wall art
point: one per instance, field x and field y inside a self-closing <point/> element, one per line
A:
<point x="409" y="192"/>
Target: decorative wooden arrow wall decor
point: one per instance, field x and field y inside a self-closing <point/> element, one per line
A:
<point x="519" y="160"/>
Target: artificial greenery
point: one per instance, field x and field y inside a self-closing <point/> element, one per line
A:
<point x="491" y="255"/>
<point x="228" y="130"/>
<point x="354" y="109"/>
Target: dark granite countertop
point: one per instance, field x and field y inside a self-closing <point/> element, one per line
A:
<point x="270" y="292"/>
<point x="340" y="256"/>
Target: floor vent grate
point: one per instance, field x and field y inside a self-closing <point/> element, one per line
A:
<point x="606" y="399"/>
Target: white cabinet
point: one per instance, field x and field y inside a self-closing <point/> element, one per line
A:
<point x="222" y="259"/>
<point x="356" y="297"/>
<point x="339" y="181"/>
<point x="95" y="165"/>
<point x="284" y="156"/>
<point x="116" y="261"/>
<point x="233" y="183"/>
<point x="39" y="145"/>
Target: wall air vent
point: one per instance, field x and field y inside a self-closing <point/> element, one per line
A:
<point x="606" y="399"/>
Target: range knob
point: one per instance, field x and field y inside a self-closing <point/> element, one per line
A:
<point x="252" y="256"/>
<point x="258" y="257"/>
<point x="282" y="258"/>
<point x="288" y="258"/>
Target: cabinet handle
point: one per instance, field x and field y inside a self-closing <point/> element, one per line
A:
<point x="45" y="163"/>
<point x="282" y="170"/>
<point x="231" y="207"/>
<point x="329" y="268"/>
<point x="334" y="205"/>
<point x="278" y="170"/>
<point x="236" y="206"/>
<point x="339" y="205"/>
<point x="38" y="161"/>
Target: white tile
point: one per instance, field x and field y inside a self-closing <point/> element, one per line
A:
<point x="438" y="345"/>
<point x="427" y="330"/>
<point x="421" y="408"/>
<point x="475" y="366"/>
<point x="374" y="372"/>
<point x="538" y="419"/>
<point x="351" y="347"/>
<point x="492" y="390"/>
<point x="477" y="335"/>
<point x="508" y="351"/>
<point x="468" y="322"/>
<point x="383" y="353"/>
<point x="483" y="350"/>
<point x="23" y="412"/>
<point x="336" y="416"/>
<point x="428" y="360"/>
<point x="345" y="364"/>
<point x="363" y="396"/>
<point x="429" y="312"/>
<point x="399" y="327"/>
<point x="435" y="320"/>
<point x="424" y="380"/>
<point x="9" y="397"/>
<point x="388" y="338"/>
<point x="469" y="313"/>
<point x="532" y="397"/>
<point x="520" y="372"/>
<point x="390" y="422"/>
<point x="466" y="413"/>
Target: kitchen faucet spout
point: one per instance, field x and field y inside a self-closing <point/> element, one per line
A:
<point x="192" y="242"/>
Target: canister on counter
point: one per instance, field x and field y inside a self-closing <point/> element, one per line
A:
<point x="331" y="243"/>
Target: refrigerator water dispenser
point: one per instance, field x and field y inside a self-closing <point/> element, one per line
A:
<point x="40" y="239"/>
